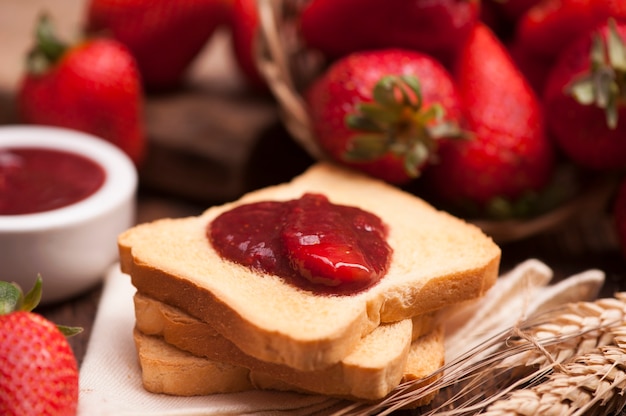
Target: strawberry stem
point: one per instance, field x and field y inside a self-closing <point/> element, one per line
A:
<point x="48" y="48"/>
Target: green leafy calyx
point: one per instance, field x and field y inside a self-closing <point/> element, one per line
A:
<point x="605" y="84"/>
<point x="398" y="122"/>
<point x="13" y="299"/>
<point x="48" y="48"/>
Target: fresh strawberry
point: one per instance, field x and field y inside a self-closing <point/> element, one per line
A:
<point x="244" y="27"/>
<point x="39" y="373"/>
<point x="585" y="99"/>
<point x="163" y="36"/>
<point x="92" y="86"/>
<point x="509" y="155"/>
<point x="383" y="111"/>
<point x="550" y="25"/>
<point x="437" y="27"/>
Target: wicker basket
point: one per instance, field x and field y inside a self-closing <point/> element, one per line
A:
<point x="288" y="66"/>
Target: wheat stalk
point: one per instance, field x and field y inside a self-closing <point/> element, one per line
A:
<point x="590" y="384"/>
<point x="570" y="331"/>
<point x="577" y="351"/>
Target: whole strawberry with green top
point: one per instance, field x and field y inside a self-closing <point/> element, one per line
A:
<point x="92" y="86"/>
<point x="509" y="155"/>
<point x="383" y="112"/>
<point x="39" y="373"/>
<point x="585" y="99"/>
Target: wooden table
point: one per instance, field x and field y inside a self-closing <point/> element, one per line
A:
<point x="213" y="139"/>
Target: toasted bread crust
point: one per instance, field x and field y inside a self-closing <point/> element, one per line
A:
<point x="170" y="370"/>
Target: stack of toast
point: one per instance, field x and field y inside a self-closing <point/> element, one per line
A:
<point x="208" y="325"/>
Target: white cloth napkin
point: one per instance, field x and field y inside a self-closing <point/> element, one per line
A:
<point x="519" y="294"/>
<point x="110" y="377"/>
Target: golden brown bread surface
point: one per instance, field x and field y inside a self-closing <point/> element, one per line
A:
<point x="437" y="260"/>
<point x="376" y="365"/>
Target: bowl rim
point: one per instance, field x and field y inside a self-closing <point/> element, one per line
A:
<point x="119" y="186"/>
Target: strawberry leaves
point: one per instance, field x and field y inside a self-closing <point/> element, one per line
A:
<point x="398" y="122"/>
<point x="605" y="85"/>
<point x="48" y="48"/>
<point x="9" y="297"/>
<point x="13" y="299"/>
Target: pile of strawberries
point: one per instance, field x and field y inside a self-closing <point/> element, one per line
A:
<point x="480" y="106"/>
<point x="484" y="102"/>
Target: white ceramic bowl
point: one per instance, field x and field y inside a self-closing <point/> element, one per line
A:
<point x="71" y="247"/>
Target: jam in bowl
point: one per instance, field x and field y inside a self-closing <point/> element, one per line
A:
<point x="64" y="198"/>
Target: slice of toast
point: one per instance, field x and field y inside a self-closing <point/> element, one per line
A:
<point x="167" y="369"/>
<point x="376" y="365"/>
<point x="437" y="260"/>
<point x="170" y="370"/>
